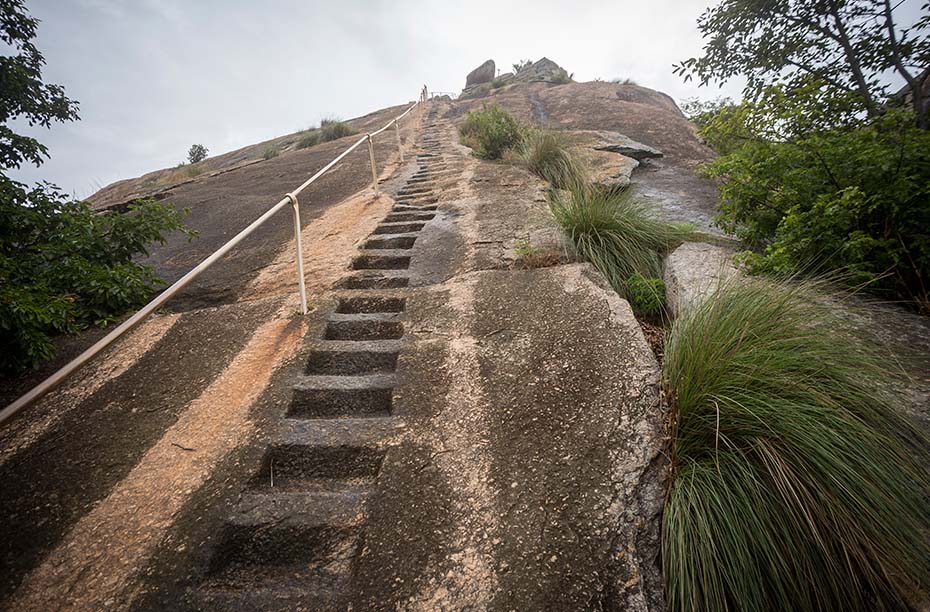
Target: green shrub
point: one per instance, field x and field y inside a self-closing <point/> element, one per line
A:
<point x="548" y="155"/>
<point x="270" y="153"/>
<point x="193" y="170"/>
<point x="646" y="296"/>
<point x="490" y="131"/>
<point x="309" y="138"/>
<point x="197" y="153"/>
<point x="620" y="235"/>
<point x="64" y="267"/>
<point x="856" y="200"/>
<point x="797" y="484"/>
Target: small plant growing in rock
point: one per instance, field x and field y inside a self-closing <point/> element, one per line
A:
<point x="530" y="256"/>
<point x="269" y="153"/>
<point x="646" y="296"/>
<point x="197" y="153"/>
<point x="490" y="131"/>
<point x="521" y="65"/>
<point x="524" y="248"/>
<point x="193" y="170"/>
<point x="498" y="83"/>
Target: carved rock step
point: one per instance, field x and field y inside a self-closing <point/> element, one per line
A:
<point x="370" y="304"/>
<point x="418" y="190"/>
<point x="345" y="432"/>
<point x="285" y="551"/>
<point x="413" y="208"/>
<point x="324" y="396"/>
<point x="384" y="279"/>
<point x="351" y="358"/>
<point x="417" y="200"/>
<point x="396" y="217"/>
<point x="393" y="242"/>
<point x="323" y="470"/>
<point x="383" y="260"/>
<point x="398" y="228"/>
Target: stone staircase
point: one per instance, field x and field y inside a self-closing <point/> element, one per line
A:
<point x="291" y="541"/>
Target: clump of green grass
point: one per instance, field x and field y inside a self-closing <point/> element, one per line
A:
<point x="798" y="484"/>
<point x="269" y="153"/>
<point x="309" y="138"/>
<point x="331" y="129"/>
<point x="548" y="154"/>
<point x="619" y="234"/>
<point x="193" y="170"/>
<point x="490" y="131"/>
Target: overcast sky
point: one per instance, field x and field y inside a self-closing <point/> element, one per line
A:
<point x="154" y="76"/>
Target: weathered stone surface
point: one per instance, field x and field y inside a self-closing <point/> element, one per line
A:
<point x="482" y="74"/>
<point x="502" y="79"/>
<point x="545" y="70"/>
<point x="475" y="91"/>
<point x="607" y="168"/>
<point x="619" y="143"/>
<point x="692" y="271"/>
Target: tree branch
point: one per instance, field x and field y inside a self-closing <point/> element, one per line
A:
<point x="917" y="92"/>
<point x="852" y="60"/>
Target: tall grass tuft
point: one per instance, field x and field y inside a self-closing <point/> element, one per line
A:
<point x="548" y="154"/>
<point x="331" y="129"/>
<point x="798" y="484"/>
<point x="309" y="138"/>
<point x="619" y="234"/>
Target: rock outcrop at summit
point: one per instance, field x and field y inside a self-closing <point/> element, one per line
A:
<point x="481" y="81"/>
<point x="482" y="74"/>
<point x="545" y="71"/>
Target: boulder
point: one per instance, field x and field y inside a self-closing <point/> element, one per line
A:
<point x="482" y="74"/>
<point x="618" y="143"/>
<point x="607" y="169"/>
<point x="611" y="156"/>
<point x="545" y="70"/>
<point x="692" y="271"/>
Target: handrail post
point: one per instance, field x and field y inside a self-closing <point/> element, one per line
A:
<point x="400" y="146"/>
<point x="301" y="283"/>
<point x="75" y="364"/>
<point x="374" y="168"/>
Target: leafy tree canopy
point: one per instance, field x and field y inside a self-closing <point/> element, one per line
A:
<point x="22" y="92"/>
<point x="63" y="266"/>
<point x="844" y="48"/>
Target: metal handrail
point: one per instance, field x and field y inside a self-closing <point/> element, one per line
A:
<point x="290" y="198"/>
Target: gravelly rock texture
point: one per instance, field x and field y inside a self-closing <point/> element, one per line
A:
<point x="692" y="271"/>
